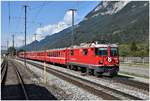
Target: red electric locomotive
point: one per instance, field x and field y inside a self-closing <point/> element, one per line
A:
<point x="94" y="58"/>
<point x="98" y="58"/>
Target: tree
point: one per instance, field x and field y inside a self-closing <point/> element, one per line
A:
<point x="20" y="50"/>
<point x="11" y="50"/>
<point x="133" y="46"/>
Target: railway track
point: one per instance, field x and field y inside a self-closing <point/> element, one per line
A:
<point x="4" y="67"/>
<point x="21" y="82"/>
<point x="94" y="88"/>
<point x="126" y="81"/>
<point x="135" y="84"/>
<point x="21" y="86"/>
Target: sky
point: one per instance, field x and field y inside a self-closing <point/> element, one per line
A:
<point x="43" y="18"/>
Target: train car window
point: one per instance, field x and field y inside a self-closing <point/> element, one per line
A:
<point x="101" y="51"/>
<point x="71" y="52"/>
<point x="54" y="54"/>
<point x="59" y="54"/>
<point x="113" y="51"/>
<point x="85" y="51"/>
<point x="49" y="53"/>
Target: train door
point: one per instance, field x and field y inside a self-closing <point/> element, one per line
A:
<point x="67" y="55"/>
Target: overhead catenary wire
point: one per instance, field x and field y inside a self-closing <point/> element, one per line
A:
<point x="40" y="9"/>
<point x="9" y="18"/>
<point x="33" y="21"/>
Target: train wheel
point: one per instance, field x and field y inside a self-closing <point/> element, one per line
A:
<point x="114" y="74"/>
<point x="89" y="71"/>
<point x="75" y="68"/>
<point x="78" y="68"/>
<point x="97" y="73"/>
<point x="83" y="69"/>
<point x="68" y="66"/>
<point x="71" y="67"/>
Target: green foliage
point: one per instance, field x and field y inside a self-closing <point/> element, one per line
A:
<point x="141" y="50"/>
<point x="11" y="51"/>
<point x="133" y="47"/>
<point x="20" y="50"/>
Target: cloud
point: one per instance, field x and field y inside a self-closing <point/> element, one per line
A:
<point x="48" y="29"/>
<point x="55" y="28"/>
<point x="38" y="37"/>
<point x="19" y="41"/>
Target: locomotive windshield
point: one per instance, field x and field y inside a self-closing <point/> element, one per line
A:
<point x="113" y="51"/>
<point x="101" y="51"/>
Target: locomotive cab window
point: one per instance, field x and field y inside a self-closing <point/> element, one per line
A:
<point x="71" y="52"/>
<point x="85" y="51"/>
<point x="101" y="51"/>
<point x="113" y="51"/>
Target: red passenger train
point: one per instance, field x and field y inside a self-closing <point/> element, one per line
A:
<point x="94" y="58"/>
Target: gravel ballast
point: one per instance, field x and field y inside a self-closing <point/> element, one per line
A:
<point x="120" y="87"/>
<point x="61" y="89"/>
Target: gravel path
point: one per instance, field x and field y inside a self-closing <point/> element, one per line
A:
<point x="135" y="70"/>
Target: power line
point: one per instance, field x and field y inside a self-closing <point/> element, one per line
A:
<point x="35" y="41"/>
<point x="40" y="8"/>
<point x="9" y="11"/>
<point x="37" y="14"/>
<point x="9" y="17"/>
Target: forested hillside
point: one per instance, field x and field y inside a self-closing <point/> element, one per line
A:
<point x="122" y="22"/>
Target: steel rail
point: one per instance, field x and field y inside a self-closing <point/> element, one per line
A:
<point x="21" y="81"/>
<point x="72" y="79"/>
<point x="4" y="67"/>
<point x="123" y="80"/>
<point x="132" y="83"/>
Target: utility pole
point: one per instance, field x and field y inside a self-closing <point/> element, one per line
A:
<point x="73" y="10"/>
<point x="25" y="27"/>
<point x="35" y="36"/>
<point x="23" y="43"/>
<point x="35" y="40"/>
<point x="7" y="44"/>
<point x="13" y="44"/>
<point x="13" y="40"/>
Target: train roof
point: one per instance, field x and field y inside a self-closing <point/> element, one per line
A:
<point x="82" y="45"/>
<point x="93" y="45"/>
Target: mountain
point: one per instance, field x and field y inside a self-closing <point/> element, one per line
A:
<point x="120" y="22"/>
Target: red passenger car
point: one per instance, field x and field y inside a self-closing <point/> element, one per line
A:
<point x="93" y="58"/>
<point x="56" y="56"/>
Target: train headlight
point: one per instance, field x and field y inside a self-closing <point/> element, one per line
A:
<point x="109" y="59"/>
